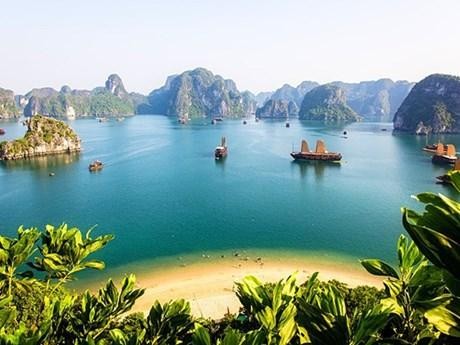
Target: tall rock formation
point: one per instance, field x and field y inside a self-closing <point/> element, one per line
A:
<point x="200" y="93"/>
<point x="432" y="106"/>
<point x="375" y="100"/>
<point x="110" y="100"/>
<point x="278" y="109"/>
<point x="8" y="108"/>
<point x="327" y="103"/>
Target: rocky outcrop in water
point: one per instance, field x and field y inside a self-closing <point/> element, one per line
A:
<point x="200" y="93"/>
<point x="111" y="100"/>
<point x="432" y="106"/>
<point x="44" y="136"/>
<point x="327" y="103"/>
<point x="277" y="109"/>
<point x="8" y="108"/>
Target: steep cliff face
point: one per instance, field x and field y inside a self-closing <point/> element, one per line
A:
<point x="44" y="136"/>
<point x="376" y="100"/>
<point x="200" y="93"/>
<point x="8" y="108"/>
<point x="262" y="97"/>
<point x="294" y="94"/>
<point x="327" y="103"/>
<point x="277" y="109"/>
<point x="111" y="100"/>
<point x="433" y="105"/>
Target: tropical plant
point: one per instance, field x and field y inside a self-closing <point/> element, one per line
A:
<point x="436" y="232"/>
<point x="324" y="319"/>
<point x="64" y="252"/>
<point x="14" y="252"/>
<point x="413" y="290"/>
<point x="170" y="323"/>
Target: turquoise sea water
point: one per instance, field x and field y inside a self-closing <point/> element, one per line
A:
<point x="163" y="195"/>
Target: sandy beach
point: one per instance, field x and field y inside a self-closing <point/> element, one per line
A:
<point x="208" y="285"/>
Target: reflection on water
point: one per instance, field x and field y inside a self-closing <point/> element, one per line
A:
<point x="317" y="166"/>
<point x="220" y="163"/>
<point x="41" y="163"/>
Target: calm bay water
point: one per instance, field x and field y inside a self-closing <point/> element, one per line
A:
<point x="162" y="194"/>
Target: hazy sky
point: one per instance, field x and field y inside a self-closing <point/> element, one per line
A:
<point x="259" y="44"/>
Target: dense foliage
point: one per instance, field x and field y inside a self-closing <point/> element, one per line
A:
<point x="418" y="305"/>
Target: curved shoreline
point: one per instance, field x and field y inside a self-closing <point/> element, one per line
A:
<point x="208" y="283"/>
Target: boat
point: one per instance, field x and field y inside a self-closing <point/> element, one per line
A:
<point x="120" y="119"/>
<point x="95" y="165"/>
<point x="103" y="119"/>
<point x="434" y="148"/>
<point x="446" y="155"/>
<point x="2" y="131"/>
<point x="182" y="120"/>
<point x="320" y="153"/>
<point x="288" y="125"/>
<point x="219" y="119"/>
<point x="244" y="122"/>
<point x="213" y="121"/>
<point x="445" y="179"/>
<point x="221" y="151"/>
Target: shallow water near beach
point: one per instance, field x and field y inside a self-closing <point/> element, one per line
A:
<point x="166" y="199"/>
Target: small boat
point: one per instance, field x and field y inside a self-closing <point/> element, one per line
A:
<point x="320" y="153"/>
<point x="444" y="155"/>
<point x="182" y="120"/>
<point x="95" y="165"/>
<point x="345" y="133"/>
<point x="257" y="119"/>
<point x="288" y="125"/>
<point x="221" y="151"/>
<point x="120" y="119"/>
<point x="2" y="131"/>
<point x="244" y="122"/>
<point x="383" y="129"/>
<point x="51" y="174"/>
<point x="103" y="119"/>
<point x="213" y="121"/>
<point x="219" y="119"/>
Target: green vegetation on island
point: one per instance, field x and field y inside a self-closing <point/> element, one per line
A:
<point x="432" y="106"/>
<point x="44" y="136"/>
<point x="419" y="304"/>
<point x="327" y="103"/>
<point x="200" y="93"/>
<point x="110" y="100"/>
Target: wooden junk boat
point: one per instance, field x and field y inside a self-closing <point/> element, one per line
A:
<point x="445" y="154"/>
<point x="320" y="153"/>
<point x="445" y="179"/>
<point x="434" y="147"/>
<point x="95" y="166"/>
<point x="2" y="131"/>
<point x="221" y="150"/>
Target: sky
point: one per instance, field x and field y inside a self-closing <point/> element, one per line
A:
<point x="259" y="44"/>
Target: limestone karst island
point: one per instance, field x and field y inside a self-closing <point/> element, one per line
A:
<point x="230" y="173"/>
